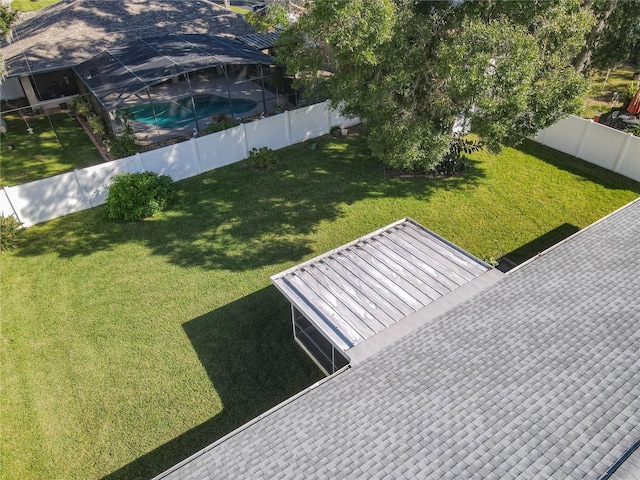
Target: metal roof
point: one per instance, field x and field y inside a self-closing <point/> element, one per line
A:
<point x="537" y="376"/>
<point x="364" y="287"/>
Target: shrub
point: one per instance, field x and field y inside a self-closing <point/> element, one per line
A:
<point x="262" y="159"/>
<point x="124" y="145"/>
<point x="10" y="228"/>
<point x="81" y="106"/>
<point x="221" y="123"/>
<point x="95" y="124"/>
<point x="455" y="161"/>
<point x="133" y="196"/>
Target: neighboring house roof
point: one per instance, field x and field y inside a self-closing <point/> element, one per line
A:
<point x="72" y="31"/>
<point x="261" y="41"/>
<point x="124" y="70"/>
<point x="360" y="289"/>
<point x="537" y="376"/>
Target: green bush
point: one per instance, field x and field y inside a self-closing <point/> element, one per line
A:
<point x="124" y="145"/>
<point x="10" y="228"/>
<point x="81" y="106"/>
<point x="221" y="123"/>
<point x="133" y="196"/>
<point x="262" y="159"/>
<point x="95" y="124"/>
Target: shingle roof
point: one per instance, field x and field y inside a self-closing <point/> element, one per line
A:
<point x="538" y="376"/>
<point x="72" y="31"/>
<point x="261" y="41"/>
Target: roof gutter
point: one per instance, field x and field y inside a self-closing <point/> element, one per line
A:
<point x="251" y="422"/>
<point x="562" y="242"/>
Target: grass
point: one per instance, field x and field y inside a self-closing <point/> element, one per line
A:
<point x="37" y="156"/>
<point x="128" y="346"/>
<point x="603" y="88"/>
<point x="240" y="10"/>
<point x="31" y="5"/>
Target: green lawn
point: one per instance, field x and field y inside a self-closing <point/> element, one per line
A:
<point x="31" y="5"/>
<point x="127" y="347"/>
<point x="603" y="89"/>
<point x="27" y="157"/>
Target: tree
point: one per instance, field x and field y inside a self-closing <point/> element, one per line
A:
<point x="273" y="15"/>
<point x="614" y="39"/>
<point x="7" y="17"/>
<point x="409" y="68"/>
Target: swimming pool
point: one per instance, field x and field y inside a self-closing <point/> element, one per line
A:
<point x="180" y="112"/>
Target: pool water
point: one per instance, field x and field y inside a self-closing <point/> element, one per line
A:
<point x="180" y="112"/>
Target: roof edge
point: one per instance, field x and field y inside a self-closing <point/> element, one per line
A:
<point x="569" y="238"/>
<point x="373" y="234"/>
<point x="409" y="324"/>
<point x="250" y="423"/>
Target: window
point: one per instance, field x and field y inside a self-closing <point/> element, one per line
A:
<point x="321" y="350"/>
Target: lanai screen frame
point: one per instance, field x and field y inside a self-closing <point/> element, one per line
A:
<point x="119" y="74"/>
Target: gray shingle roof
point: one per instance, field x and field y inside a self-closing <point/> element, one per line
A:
<point x="72" y="31"/>
<point x="537" y="376"/>
<point x="261" y="41"/>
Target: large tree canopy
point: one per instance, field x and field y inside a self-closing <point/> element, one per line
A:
<point x="410" y="68"/>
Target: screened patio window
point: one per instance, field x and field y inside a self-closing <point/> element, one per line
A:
<point x="326" y="355"/>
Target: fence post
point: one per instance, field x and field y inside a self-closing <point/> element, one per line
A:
<point x="622" y="153"/>
<point x="139" y="162"/>
<point x="13" y="209"/>
<point x="196" y="153"/>
<point x="87" y="200"/>
<point x="583" y="140"/>
<point x="287" y="119"/>
<point x="245" y="144"/>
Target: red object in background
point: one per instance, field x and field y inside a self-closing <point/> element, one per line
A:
<point x="634" y="104"/>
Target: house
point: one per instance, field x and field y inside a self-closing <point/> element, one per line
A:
<point x="47" y="43"/>
<point x="535" y="375"/>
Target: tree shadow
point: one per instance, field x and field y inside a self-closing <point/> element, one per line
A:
<point x="247" y="349"/>
<point x="581" y="168"/>
<point x="235" y="218"/>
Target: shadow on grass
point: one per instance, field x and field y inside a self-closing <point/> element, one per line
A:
<point x="588" y="171"/>
<point x="237" y="219"/>
<point x="540" y="244"/>
<point x="248" y="351"/>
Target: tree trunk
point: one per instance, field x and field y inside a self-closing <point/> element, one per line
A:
<point x="227" y="4"/>
<point x="582" y="61"/>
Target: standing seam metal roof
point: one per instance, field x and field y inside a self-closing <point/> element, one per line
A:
<point x="363" y="287"/>
<point x="538" y="376"/>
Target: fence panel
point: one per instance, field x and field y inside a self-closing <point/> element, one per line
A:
<point x="335" y="118"/>
<point x="269" y="132"/>
<point x="309" y="122"/>
<point x="601" y="145"/>
<point x="96" y="179"/>
<point x="178" y="161"/>
<point x="565" y="135"/>
<point x="629" y="162"/>
<point x="221" y="148"/>
<point x="43" y="200"/>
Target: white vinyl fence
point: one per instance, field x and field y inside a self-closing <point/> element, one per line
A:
<point x="54" y="197"/>
<point x="595" y="143"/>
